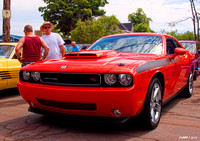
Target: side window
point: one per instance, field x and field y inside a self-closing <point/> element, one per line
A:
<point x="177" y="44"/>
<point x="170" y="46"/>
<point x="198" y="46"/>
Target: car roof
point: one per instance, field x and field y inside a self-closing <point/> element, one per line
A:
<point x="189" y="41"/>
<point x="8" y="44"/>
<point x="138" y="33"/>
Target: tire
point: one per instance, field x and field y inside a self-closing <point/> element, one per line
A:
<point x="195" y="75"/>
<point x="152" y="109"/>
<point x="188" y="90"/>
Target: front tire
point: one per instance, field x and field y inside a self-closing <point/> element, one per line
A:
<point x="153" y="105"/>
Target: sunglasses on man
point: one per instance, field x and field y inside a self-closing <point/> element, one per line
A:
<point x="46" y="27"/>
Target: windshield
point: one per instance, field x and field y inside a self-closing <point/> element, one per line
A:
<point x="189" y="46"/>
<point x="6" y="50"/>
<point x="132" y="44"/>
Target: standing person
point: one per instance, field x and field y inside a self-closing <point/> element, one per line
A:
<point x="75" y="47"/>
<point x="53" y="40"/>
<point x="31" y="45"/>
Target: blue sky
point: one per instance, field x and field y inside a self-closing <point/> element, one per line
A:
<point x="162" y="12"/>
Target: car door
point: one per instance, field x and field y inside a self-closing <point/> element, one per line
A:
<point x="170" y="70"/>
<point x="181" y="66"/>
<point x="198" y="54"/>
<point x="13" y="69"/>
<point x="3" y="73"/>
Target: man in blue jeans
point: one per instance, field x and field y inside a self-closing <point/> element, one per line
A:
<point x="75" y="47"/>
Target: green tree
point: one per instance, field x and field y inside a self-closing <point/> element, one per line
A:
<point x="180" y="36"/>
<point x="66" y="13"/>
<point x="110" y="24"/>
<point x="142" y="27"/>
<point x="91" y="30"/>
<point x="187" y="36"/>
<point x="140" y="21"/>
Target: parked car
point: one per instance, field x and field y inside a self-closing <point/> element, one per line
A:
<point x="194" y="48"/>
<point x="117" y="78"/>
<point x="68" y="47"/>
<point x="9" y="66"/>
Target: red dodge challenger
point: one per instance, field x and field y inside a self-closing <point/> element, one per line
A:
<point x="118" y="77"/>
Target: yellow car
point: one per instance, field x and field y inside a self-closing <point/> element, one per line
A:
<point x="9" y="66"/>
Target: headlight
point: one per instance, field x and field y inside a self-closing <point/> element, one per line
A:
<point x="35" y="75"/>
<point x="26" y="75"/>
<point x="125" y="79"/>
<point x="110" y="79"/>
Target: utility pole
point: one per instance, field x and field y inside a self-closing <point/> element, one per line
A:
<point x="193" y="19"/>
<point x="197" y="20"/>
<point x="6" y="13"/>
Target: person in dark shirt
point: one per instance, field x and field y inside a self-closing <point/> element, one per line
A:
<point x="31" y="45"/>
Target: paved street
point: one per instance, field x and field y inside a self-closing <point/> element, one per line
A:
<point x="180" y="121"/>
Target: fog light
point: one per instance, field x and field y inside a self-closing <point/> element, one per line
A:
<point x="116" y="112"/>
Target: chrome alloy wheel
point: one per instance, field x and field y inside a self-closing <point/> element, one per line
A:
<point x="190" y="83"/>
<point x="155" y="103"/>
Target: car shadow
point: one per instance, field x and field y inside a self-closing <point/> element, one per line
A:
<point x="38" y="127"/>
<point x="172" y="103"/>
<point x="10" y="98"/>
<point x="9" y="93"/>
<point x="180" y="98"/>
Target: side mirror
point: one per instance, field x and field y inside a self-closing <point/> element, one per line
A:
<point x="179" y="51"/>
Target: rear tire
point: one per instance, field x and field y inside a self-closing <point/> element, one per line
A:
<point x="152" y="109"/>
<point x="188" y="90"/>
<point x="195" y="74"/>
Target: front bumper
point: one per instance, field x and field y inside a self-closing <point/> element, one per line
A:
<point x="84" y="101"/>
<point x="81" y="118"/>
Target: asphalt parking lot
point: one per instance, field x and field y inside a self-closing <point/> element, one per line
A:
<point x="180" y="121"/>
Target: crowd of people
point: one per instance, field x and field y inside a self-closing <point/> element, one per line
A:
<point x="35" y="48"/>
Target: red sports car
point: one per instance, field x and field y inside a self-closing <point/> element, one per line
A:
<point x="116" y="78"/>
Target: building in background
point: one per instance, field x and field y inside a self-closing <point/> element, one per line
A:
<point x="126" y="27"/>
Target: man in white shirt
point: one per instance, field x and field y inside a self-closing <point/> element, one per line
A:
<point x="53" y="40"/>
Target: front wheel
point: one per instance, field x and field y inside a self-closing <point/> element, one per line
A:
<point x="153" y="104"/>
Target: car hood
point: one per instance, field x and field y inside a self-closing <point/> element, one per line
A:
<point x="94" y="61"/>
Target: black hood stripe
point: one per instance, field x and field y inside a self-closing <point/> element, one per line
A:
<point x="155" y="64"/>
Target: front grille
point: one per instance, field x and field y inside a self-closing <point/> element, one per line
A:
<point x="67" y="105"/>
<point x="71" y="79"/>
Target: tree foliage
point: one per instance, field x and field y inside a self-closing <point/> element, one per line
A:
<point x="66" y="13"/>
<point x="91" y="30"/>
<point x="140" y="21"/>
<point x="142" y="27"/>
<point x="180" y="36"/>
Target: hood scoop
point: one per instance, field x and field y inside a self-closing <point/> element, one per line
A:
<point x="91" y="54"/>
